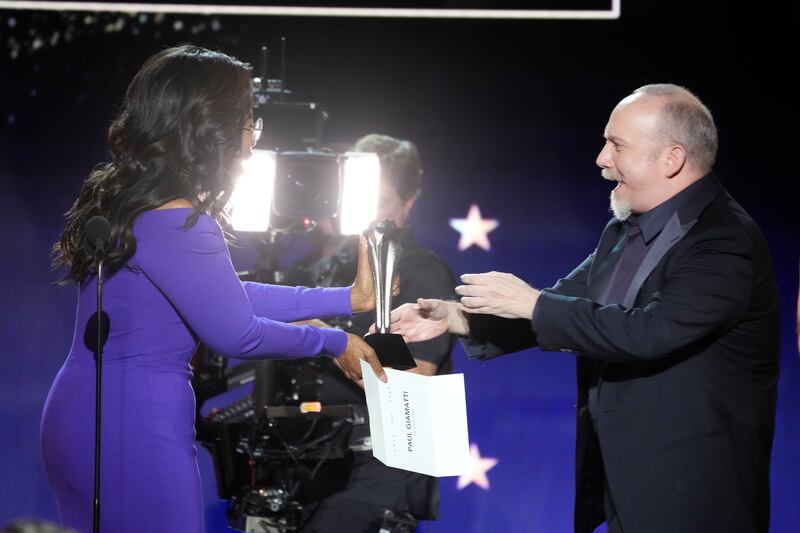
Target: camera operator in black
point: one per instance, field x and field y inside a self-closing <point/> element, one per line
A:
<point x="371" y="487"/>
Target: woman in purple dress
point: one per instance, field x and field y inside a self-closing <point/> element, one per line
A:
<point x="177" y="147"/>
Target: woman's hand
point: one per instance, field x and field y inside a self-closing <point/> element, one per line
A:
<point x="362" y="292"/>
<point x="356" y="351"/>
<point x="316" y="322"/>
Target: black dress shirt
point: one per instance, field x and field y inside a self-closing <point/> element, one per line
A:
<point x="637" y="236"/>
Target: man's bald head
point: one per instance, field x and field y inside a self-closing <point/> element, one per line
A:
<point x="683" y="120"/>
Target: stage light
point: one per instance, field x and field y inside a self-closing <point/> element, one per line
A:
<point x="251" y="202"/>
<point x="286" y="191"/>
<point x="360" y="180"/>
<point x="307" y="185"/>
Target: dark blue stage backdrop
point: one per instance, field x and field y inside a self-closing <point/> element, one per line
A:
<point x="508" y="116"/>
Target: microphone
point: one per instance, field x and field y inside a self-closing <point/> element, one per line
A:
<point x="98" y="236"/>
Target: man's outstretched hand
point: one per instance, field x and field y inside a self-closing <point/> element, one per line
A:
<point x="497" y="293"/>
<point x="427" y="319"/>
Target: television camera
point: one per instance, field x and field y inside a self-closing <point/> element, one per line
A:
<point x="279" y="447"/>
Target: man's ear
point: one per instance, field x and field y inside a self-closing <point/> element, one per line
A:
<point x="408" y="205"/>
<point x="673" y="159"/>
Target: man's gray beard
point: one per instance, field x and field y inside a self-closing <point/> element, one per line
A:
<point x="621" y="208"/>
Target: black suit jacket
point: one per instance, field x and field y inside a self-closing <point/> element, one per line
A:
<point x="687" y="372"/>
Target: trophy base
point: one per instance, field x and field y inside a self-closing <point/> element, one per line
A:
<point x="392" y="350"/>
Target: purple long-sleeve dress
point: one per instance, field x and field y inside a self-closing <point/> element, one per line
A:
<point x="181" y="288"/>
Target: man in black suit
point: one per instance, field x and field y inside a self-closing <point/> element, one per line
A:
<point x="674" y="322"/>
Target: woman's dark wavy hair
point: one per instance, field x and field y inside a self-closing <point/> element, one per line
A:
<point x="177" y="136"/>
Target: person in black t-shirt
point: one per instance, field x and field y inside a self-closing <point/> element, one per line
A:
<point x="371" y="488"/>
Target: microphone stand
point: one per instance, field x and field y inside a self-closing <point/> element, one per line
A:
<point x="98" y="235"/>
<point x="98" y="394"/>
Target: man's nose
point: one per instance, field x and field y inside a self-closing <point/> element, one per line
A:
<point x="603" y="158"/>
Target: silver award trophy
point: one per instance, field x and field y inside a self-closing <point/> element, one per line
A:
<point x="384" y="254"/>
